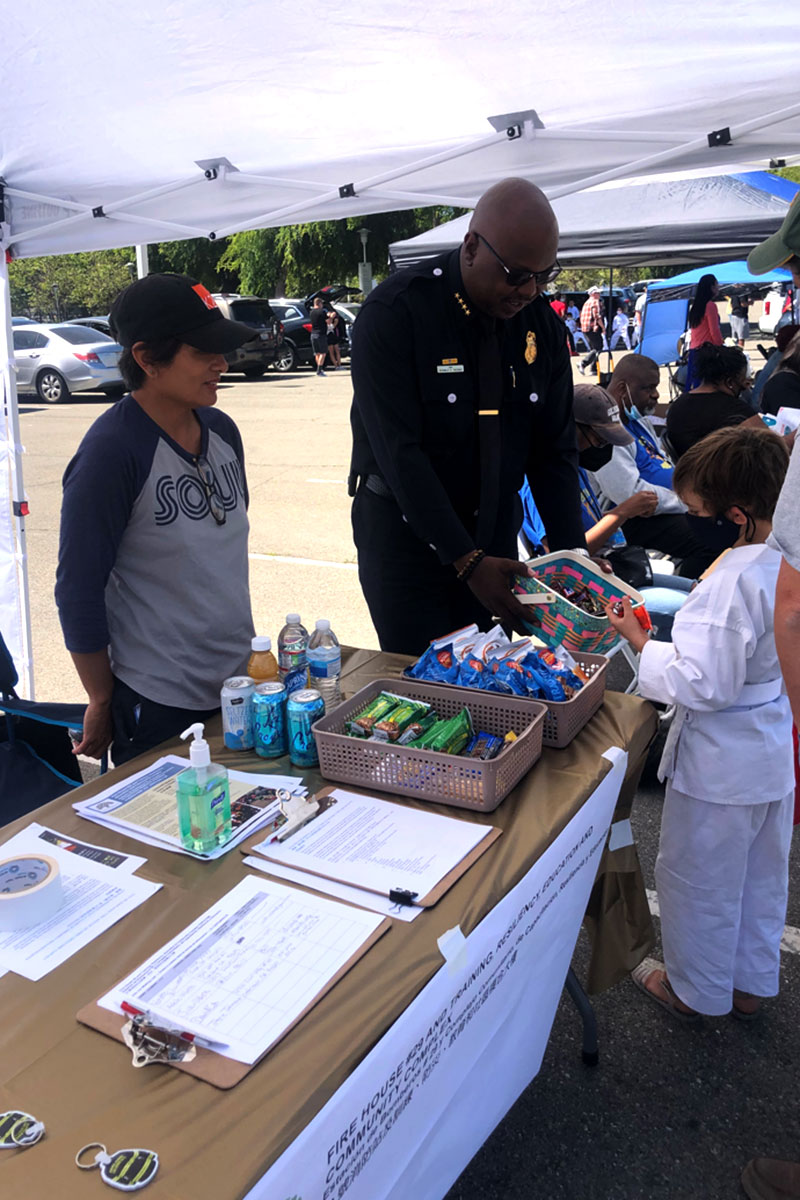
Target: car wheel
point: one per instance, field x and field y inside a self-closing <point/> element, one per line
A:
<point x="286" y="358"/>
<point x="253" y="372"/>
<point x="51" y="386"/>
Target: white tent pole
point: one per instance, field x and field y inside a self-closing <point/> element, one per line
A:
<point x="189" y="231"/>
<point x="142" y="261"/>
<point x="14" y="607"/>
<point x="700" y="143"/>
<point x="363" y="185"/>
<point x="19" y="194"/>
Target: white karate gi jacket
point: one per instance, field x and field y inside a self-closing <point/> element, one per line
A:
<point x="731" y="737"/>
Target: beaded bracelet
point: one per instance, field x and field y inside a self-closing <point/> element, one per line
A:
<point x="470" y="565"/>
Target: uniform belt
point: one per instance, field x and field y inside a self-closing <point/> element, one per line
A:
<point x="754" y="694"/>
<point x="378" y="485"/>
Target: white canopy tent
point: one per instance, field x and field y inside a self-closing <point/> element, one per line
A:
<point x="125" y="124"/>
<point x="688" y="218"/>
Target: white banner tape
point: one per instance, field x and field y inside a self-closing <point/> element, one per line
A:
<point x="30" y="890"/>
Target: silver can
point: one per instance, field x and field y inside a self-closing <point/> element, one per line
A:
<point x="236" y="698"/>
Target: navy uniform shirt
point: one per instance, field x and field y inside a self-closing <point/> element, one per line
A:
<point x="415" y="404"/>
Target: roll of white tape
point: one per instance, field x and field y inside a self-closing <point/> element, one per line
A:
<point x="30" y="890"/>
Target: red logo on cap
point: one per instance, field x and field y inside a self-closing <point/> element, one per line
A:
<point x="205" y="295"/>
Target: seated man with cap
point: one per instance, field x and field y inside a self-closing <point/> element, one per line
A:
<point x="152" y="583"/>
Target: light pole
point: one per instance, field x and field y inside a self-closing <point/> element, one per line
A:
<point x="364" y="267"/>
<point x="131" y="270"/>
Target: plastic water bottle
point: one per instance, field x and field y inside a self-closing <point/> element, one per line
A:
<point x="292" y="654"/>
<point x="325" y="664"/>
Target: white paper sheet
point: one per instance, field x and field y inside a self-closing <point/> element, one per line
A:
<point x="241" y="974"/>
<point x="144" y="806"/>
<point x="126" y="864"/>
<point x="377" y="845"/>
<point x="340" y="891"/>
<point x="95" y="898"/>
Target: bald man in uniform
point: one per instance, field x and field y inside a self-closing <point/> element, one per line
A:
<point x="462" y="388"/>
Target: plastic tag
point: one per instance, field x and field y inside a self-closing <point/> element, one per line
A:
<point x="125" y="1170"/>
<point x="19" y="1129"/>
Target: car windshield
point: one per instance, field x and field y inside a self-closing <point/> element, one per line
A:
<point x="78" y="335"/>
<point x="251" y="312"/>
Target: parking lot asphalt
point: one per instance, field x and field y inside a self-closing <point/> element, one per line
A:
<point x="670" y="1111"/>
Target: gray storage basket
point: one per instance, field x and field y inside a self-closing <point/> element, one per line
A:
<point x="564" y="718"/>
<point x="426" y="774"/>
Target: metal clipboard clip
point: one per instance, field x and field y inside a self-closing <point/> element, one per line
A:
<point x="149" y="1042"/>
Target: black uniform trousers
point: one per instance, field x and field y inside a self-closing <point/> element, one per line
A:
<point x="412" y="596"/>
<point x="139" y="724"/>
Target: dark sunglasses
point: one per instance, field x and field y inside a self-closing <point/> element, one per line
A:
<point x="210" y="488"/>
<point x="517" y="278"/>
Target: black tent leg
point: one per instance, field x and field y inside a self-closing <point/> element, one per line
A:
<point x="590" y="1052"/>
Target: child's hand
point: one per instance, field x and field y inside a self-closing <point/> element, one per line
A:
<point x="626" y="624"/>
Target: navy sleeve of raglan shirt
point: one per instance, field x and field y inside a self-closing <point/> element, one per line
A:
<point x="101" y="485"/>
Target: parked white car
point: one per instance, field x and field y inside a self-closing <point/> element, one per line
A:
<point x="772" y="307"/>
<point x="56" y="360"/>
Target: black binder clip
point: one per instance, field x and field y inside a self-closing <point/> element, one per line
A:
<point x="402" y="896"/>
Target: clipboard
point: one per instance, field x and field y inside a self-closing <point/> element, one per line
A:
<point x="435" y="894"/>
<point x="208" y="1065"/>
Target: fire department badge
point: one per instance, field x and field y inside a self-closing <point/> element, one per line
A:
<point x="530" y="347"/>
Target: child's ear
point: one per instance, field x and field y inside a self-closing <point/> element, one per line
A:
<point x="736" y="515"/>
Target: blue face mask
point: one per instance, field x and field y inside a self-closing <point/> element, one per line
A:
<point x="634" y="413"/>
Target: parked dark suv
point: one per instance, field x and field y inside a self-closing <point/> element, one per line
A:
<point x="253" y="358"/>
<point x="296" y="321"/>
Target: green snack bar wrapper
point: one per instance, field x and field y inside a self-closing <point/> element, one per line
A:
<point x="416" y="729"/>
<point x="448" y="737"/>
<point x="389" y="728"/>
<point x="376" y="710"/>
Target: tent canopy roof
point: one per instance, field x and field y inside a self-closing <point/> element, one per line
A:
<point x="104" y="105"/>
<point x="683" y="218"/>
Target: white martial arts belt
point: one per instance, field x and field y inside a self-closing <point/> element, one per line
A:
<point x="752" y="695"/>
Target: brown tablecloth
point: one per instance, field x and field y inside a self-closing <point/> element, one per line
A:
<point x="215" y="1145"/>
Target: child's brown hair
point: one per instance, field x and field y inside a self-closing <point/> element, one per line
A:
<point x="735" y="466"/>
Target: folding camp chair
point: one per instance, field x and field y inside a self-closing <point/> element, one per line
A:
<point x="36" y="759"/>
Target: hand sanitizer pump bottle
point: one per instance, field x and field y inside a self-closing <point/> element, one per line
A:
<point x="204" y="800"/>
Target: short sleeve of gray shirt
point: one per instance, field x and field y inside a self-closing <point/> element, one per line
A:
<point x="786" y="522"/>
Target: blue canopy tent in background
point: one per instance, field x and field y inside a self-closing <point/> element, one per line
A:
<point x="667" y="310"/>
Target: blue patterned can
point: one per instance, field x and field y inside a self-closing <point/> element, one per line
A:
<point x="236" y="700"/>
<point x="269" y="719"/>
<point x="303" y="708"/>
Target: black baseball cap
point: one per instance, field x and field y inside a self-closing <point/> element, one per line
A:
<point x="174" y="306"/>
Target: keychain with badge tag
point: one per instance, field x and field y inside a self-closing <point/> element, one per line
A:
<point x="18" y="1130"/>
<point x="125" y="1170"/>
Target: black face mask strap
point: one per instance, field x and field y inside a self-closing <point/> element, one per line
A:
<point x="750" y="528"/>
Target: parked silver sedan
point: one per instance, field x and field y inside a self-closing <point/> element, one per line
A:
<point x="56" y="360"/>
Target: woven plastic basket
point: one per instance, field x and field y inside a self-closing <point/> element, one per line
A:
<point x="426" y="774"/>
<point x="562" y="623"/>
<point x="565" y="718"/>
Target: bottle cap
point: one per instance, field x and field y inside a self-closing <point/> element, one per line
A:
<point x="323" y="625"/>
<point x="261" y="643"/>
<point x="199" y="753"/>
<point x="293" y="618"/>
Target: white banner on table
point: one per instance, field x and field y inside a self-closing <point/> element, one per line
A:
<point x="413" y="1113"/>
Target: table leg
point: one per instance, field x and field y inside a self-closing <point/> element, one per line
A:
<point x="590" y="1053"/>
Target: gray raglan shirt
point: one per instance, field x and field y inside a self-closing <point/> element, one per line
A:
<point x="786" y="522"/>
<point x="144" y="569"/>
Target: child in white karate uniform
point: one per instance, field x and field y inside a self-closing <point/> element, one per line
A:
<point x="722" y="868"/>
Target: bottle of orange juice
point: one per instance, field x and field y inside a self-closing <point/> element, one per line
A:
<point x="262" y="664"/>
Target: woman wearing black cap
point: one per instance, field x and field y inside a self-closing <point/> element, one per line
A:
<point x="152" y="582"/>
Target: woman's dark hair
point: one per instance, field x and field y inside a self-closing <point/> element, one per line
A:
<point x="719" y="364"/>
<point x="158" y="353"/>
<point x="738" y="466"/>
<point x="702" y="296"/>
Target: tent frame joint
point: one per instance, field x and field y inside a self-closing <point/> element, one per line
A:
<point x="347" y="191"/>
<point x="720" y="137"/>
<point x="99" y="211"/>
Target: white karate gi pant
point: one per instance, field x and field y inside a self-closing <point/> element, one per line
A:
<point x="722" y="876"/>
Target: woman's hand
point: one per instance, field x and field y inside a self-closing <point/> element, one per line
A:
<point x="626" y="624"/>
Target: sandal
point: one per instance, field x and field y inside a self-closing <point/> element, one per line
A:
<point x="742" y="1014"/>
<point x="665" y="997"/>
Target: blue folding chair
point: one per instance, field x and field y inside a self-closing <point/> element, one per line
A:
<point x="36" y="759"/>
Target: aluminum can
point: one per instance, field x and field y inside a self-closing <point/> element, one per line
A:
<point x="236" y="698"/>
<point x="269" y="719"/>
<point x="303" y="708"/>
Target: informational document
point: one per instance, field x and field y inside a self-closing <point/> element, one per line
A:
<point x="95" y="897"/>
<point x="377" y="845"/>
<point x="241" y="974"/>
<point x="340" y="891"/>
<point x="126" y="864"/>
<point x="145" y="805"/>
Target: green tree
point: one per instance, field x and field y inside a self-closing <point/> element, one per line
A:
<point x="68" y="285"/>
